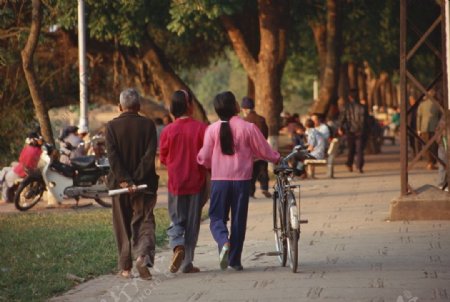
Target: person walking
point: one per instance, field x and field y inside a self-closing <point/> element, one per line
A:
<point x="428" y="116"/>
<point x="131" y="147"/>
<point x="180" y="143"/>
<point x="230" y="145"/>
<point x="260" y="167"/>
<point x="353" y="123"/>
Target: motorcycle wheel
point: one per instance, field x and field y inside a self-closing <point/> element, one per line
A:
<point x="107" y="202"/>
<point x="29" y="193"/>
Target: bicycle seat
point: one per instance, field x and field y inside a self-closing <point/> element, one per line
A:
<point x="83" y="162"/>
<point x="280" y="169"/>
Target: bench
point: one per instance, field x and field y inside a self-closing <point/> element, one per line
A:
<point x="329" y="161"/>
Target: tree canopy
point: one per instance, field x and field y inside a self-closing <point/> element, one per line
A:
<point x="204" y="46"/>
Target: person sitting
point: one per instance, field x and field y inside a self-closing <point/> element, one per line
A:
<point x="321" y="126"/>
<point x="315" y="140"/>
<point x="28" y="161"/>
<point x="72" y="144"/>
<point x="299" y="139"/>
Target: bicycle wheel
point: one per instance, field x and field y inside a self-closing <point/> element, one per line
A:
<point x="278" y="227"/>
<point x="293" y="231"/>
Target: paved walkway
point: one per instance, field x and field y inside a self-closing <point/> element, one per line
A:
<point x="349" y="251"/>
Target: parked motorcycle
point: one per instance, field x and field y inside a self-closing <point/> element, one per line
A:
<point x="84" y="178"/>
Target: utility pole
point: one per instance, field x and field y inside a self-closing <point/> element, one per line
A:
<point x="84" y="124"/>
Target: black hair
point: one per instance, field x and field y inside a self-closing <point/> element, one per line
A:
<point x="309" y="123"/>
<point x="225" y="106"/>
<point x="158" y="121"/>
<point x="300" y="126"/>
<point x="179" y="103"/>
<point x="320" y="117"/>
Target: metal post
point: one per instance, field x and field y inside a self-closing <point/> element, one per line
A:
<point x="446" y="70"/>
<point x="84" y="124"/>
<point x="315" y="90"/>
<point x="403" y="101"/>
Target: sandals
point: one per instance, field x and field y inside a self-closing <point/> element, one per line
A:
<point x="142" y="268"/>
<point x="177" y="259"/>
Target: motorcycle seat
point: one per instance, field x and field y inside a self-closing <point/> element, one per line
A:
<point x="83" y="162"/>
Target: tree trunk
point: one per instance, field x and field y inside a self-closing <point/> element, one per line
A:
<point x="320" y="35"/>
<point x="266" y="73"/>
<point x="167" y="80"/>
<point x="353" y="79"/>
<point x="362" y="85"/>
<point x="328" y="89"/>
<point x="343" y="87"/>
<point x="273" y="24"/>
<point x="250" y="88"/>
<point x="27" y="62"/>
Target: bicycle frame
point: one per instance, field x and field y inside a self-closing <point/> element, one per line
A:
<point x="287" y="229"/>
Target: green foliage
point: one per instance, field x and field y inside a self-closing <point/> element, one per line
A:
<point x="297" y="83"/>
<point x="38" y="250"/>
<point x="224" y="74"/>
<point x="192" y="15"/>
<point x="371" y="33"/>
<point x="130" y="24"/>
<point x="15" y="123"/>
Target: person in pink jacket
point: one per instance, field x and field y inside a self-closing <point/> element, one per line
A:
<point x="230" y="147"/>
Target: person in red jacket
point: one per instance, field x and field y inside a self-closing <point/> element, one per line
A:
<point x="180" y="143"/>
<point x="28" y="161"/>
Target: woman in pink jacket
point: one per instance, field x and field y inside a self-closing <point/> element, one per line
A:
<point x="230" y="147"/>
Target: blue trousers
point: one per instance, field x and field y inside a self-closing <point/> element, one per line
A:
<point x="226" y="195"/>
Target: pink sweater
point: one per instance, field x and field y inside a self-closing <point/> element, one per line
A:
<point x="249" y="144"/>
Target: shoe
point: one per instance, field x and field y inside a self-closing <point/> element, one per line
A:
<point x="237" y="267"/>
<point x="142" y="268"/>
<point x="190" y="269"/>
<point x="223" y="256"/>
<point x="350" y="168"/>
<point x="177" y="259"/>
<point x="252" y="196"/>
<point x="267" y="194"/>
<point x="361" y="170"/>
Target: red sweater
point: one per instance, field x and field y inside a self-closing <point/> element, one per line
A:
<point x="180" y="143"/>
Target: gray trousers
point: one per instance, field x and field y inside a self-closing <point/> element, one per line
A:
<point x="134" y="227"/>
<point x="185" y="214"/>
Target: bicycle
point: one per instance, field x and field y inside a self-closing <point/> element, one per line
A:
<point x="286" y="211"/>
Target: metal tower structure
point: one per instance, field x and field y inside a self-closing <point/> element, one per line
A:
<point x="423" y="38"/>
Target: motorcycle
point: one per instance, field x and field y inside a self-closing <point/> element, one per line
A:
<point x="84" y="178"/>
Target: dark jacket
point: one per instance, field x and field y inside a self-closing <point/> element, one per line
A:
<point x="353" y="119"/>
<point x="259" y="121"/>
<point x="131" y="145"/>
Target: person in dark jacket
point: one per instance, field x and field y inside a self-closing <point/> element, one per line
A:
<point x="131" y="145"/>
<point x="260" y="167"/>
<point x="353" y="123"/>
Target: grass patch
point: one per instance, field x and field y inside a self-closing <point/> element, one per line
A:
<point x="37" y="250"/>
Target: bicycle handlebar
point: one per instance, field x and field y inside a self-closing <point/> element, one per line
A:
<point x="299" y="149"/>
